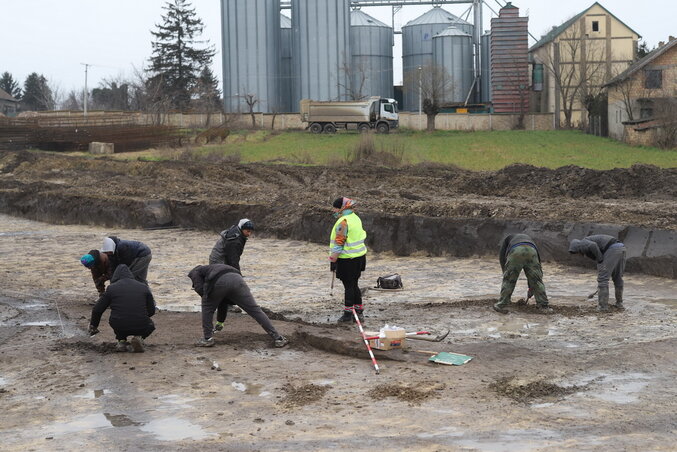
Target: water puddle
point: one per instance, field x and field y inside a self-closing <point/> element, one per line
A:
<point x="95" y="394"/>
<point x="178" y="401"/>
<point x="511" y="440"/>
<point x="42" y="323"/>
<point x="175" y="429"/>
<point x="120" y="420"/>
<point x="617" y="388"/>
<point x="81" y="424"/>
<point x="3" y="381"/>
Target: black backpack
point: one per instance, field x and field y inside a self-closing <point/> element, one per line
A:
<point x="389" y="282"/>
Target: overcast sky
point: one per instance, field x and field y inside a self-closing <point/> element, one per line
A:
<point x="53" y="37"/>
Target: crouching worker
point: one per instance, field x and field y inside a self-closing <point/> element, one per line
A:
<point x="132" y="306"/>
<point x="221" y="285"/>
<point x="518" y="252"/>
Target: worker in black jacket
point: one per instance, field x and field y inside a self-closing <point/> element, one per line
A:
<point x="135" y="255"/>
<point x="221" y="285"/>
<point x="132" y="306"/>
<point x="230" y="245"/>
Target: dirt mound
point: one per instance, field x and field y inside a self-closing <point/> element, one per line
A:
<point x="527" y="392"/>
<point x="414" y="396"/>
<point x="298" y="396"/>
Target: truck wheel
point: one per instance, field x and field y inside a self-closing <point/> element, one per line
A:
<point x="316" y="127"/>
<point x="383" y="127"/>
<point x="329" y="128"/>
<point x="363" y="128"/>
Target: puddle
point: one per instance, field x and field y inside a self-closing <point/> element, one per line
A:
<point x="173" y="399"/>
<point x="3" y="381"/>
<point x="180" y="308"/>
<point x="511" y="440"/>
<point x="239" y="386"/>
<point x="175" y="429"/>
<point x="81" y="424"/>
<point x="94" y="394"/>
<point x="325" y="382"/>
<point x="620" y="389"/>
<point x="43" y="323"/>
<point x="120" y="420"/>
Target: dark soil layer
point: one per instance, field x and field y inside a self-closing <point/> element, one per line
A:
<point x="433" y="209"/>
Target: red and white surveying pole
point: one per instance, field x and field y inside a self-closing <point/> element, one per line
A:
<point x="366" y="342"/>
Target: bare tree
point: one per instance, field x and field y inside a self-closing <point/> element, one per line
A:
<point x="73" y="102"/>
<point x="356" y="77"/>
<point x="251" y="100"/>
<point x="665" y="113"/>
<point x="434" y="84"/>
<point x="577" y="68"/>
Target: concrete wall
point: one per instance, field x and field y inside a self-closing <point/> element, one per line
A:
<point x="461" y="121"/>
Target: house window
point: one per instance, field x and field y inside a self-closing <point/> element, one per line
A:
<point x="595" y="25"/>
<point x="653" y="79"/>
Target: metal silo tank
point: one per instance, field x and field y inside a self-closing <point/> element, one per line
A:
<point x="320" y="50"/>
<point x="453" y="52"/>
<point x="417" y="48"/>
<point x="251" y="53"/>
<point x="371" y="68"/>
<point x="285" y="64"/>
<point x="485" y="44"/>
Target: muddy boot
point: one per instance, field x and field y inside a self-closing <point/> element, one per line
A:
<point x="346" y="317"/>
<point x="545" y="309"/>
<point x="619" y="299"/>
<point x="205" y="342"/>
<point x="122" y="346"/>
<point x="137" y="344"/>
<point x="500" y="309"/>
<point x="281" y="341"/>
<point x="218" y="327"/>
<point x="603" y="300"/>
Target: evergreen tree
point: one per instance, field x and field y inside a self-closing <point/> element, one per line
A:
<point x="208" y="92"/>
<point x="37" y="95"/>
<point x="177" y="60"/>
<point x="10" y="86"/>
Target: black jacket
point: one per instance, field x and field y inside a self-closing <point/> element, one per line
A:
<point x="204" y="277"/>
<point x="229" y="247"/>
<point x="131" y="302"/>
<point x="126" y="251"/>
<point x="511" y="240"/>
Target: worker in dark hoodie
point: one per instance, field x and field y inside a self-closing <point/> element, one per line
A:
<point x="230" y="245"/>
<point x="228" y="249"/>
<point x="221" y="285"/>
<point x="132" y="306"/>
<point x="609" y="253"/>
<point x="135" y="255"/>
<point x="519" y="252"/>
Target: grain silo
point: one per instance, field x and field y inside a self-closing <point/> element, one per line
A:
<point x="417" y="48"/>
<point x="251" y="54"/>
<point x="453" y="52"/>
<point x="371" y="67"/>
<point x="285" y="64"/>
<point x="320" y="50"/>
<point x="485" y="91"/>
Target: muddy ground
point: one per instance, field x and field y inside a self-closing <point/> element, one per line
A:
<point x="575" y="380"/>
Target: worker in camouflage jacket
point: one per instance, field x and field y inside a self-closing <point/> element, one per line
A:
<point x="519" y="252"/>
<point x="609" y="253"/>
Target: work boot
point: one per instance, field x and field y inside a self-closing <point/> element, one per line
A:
<point x="499" y="308"/>
<point x="205" y="342"/>
<point x="603" y="300"/>
<point x="281" y="342"/>
<point x="545" y="309"/>
<point x="122" y="346"/>
<point x="619" y="299"/>
<point x="346" y="317"/>
<point x="218" y="326"/>
<point x="137" y="344"/>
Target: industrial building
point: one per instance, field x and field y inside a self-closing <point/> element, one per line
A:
<point x="277" y="52"/>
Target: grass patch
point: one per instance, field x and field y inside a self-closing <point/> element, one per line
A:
<point x="470" y="150"/>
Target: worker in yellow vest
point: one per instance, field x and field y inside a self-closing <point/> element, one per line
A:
<point x="347" y="254"/>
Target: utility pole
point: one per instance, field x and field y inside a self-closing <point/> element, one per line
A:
<point x="420" y="94"/>
<point x="86" y="91"/>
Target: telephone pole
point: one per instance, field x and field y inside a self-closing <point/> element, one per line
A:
<point x="86" y="91"/>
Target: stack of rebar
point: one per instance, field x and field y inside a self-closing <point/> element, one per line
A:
<point x="64" y="133"/>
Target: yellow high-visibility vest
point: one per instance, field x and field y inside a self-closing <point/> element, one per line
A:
<point x="354" y="246"/>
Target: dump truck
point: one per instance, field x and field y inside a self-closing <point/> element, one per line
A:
<point x="374" y="113"/>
